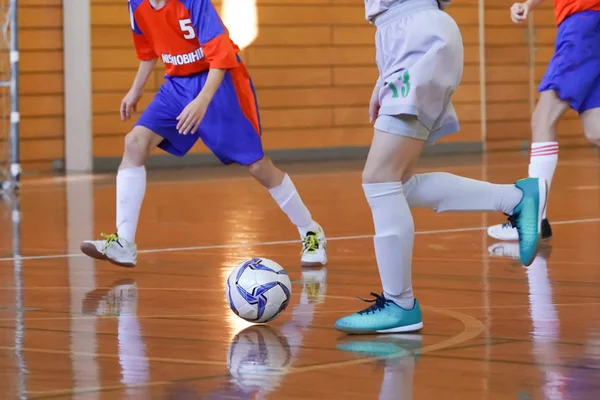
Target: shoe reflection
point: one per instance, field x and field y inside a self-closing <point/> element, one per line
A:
<point x="120" y="300"/>
<point x="511" y="250"/>
<point x="398" y="355"/>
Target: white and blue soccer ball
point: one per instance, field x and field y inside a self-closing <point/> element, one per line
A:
<point x="258" y="290"/>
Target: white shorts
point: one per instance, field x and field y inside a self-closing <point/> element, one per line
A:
<point x="420" y="61"/>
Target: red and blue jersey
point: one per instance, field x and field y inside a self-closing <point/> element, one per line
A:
<point x="187" y="35"/>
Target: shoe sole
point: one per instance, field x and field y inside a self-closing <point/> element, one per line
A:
<point x="400" y="329"/>
<point x="91" y="251"/>
<point x="542" y="188"/>
<point x="503" y="239"/>
<point x="311" y="264"/>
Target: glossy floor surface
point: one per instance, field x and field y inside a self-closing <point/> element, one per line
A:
<point x="74" y="328"/>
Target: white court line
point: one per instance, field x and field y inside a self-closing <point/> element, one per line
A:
<point x="242" y="245"/>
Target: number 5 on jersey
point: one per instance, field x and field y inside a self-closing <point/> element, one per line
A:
<point x="187" y="28"/>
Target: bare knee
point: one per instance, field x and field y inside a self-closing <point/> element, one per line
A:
<point x="380" y="174"/>
<point x="593" y="136"/>
<point x="591" y="126"/>
<point x="547" y="112"/>
<point x="391" y="158"/>
<point x="265" y="172"/>
<point x="137" y="149"/>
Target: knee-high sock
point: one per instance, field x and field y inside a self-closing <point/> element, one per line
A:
<point x="131" y="187"/>
<point x="542" y="164"/>
<point x="291" y="204"/>
<point x="442" y="191"/>
<point x="394" y="238"/>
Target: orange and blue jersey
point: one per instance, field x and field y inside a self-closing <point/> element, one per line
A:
<point x="190" y="39"/>
<point x="566" y="8"/>
<point x="574" y="71"/>
<point x="187" y="35"/>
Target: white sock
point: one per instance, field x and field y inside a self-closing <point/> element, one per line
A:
<point x="291" y="204"/>
<point x="544" y="157"/>
<point x="131" y="187"/>
<point x="442" y="191"/>
<point x="394" y="238"/>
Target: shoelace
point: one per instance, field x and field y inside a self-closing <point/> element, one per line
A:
<point x="311" y="242"/>
<point x="511" y="223"/>
<point x="379" y="303"/>
<point x="112" y="238"/>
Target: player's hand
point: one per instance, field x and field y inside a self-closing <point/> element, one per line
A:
<point x="519" y="12"/>
<point x="374" y="104"/>
<point x="129" y="103"/>
<point x="190" y="118"/>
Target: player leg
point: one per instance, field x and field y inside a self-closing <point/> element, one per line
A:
<point x="156" y="127"/>
<point x="591" y="126"/>
<point x="235" y="102"/>
<point x="390" y="158"/>
<point x="571" y="80"/>
<point x="120" y="248"/>
<point x="398" y="141"/>
<point x="284" y="193"/>
<point x="590" y="112"/>
<point x="544" y="155"/>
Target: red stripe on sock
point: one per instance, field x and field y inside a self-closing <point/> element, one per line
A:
<point x="550" y="146"/>
<point x="544" y="153"/>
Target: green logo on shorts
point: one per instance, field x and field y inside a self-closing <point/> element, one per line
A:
<point x="404" y="89"/>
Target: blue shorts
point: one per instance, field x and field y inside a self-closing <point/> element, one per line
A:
<point x="574" y="70"/>
<point x="231" y="127"/>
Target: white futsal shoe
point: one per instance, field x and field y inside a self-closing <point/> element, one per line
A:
<point x="113" y="248"/>
<point x="508" y="232"/>
<point x="314" y="248"/>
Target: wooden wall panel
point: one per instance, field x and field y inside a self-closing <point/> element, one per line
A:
<point x="507" y="75"/>
<point x="41" y="83"/>
<point x="313" y="65"/>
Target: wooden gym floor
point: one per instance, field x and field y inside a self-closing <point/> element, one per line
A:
<point x="73" y="328"/>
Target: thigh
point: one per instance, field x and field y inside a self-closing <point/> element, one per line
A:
<point x="139" y="143"/>
<point x="548" y="111"/>
<point x="591" y="125"/>
<point x="391" y="157"/>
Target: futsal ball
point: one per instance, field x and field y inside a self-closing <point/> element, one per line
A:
<point x="258" y="359"/>
<point x="258" y="290"/>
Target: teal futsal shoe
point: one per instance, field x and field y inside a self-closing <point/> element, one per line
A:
<point x="527" y="217"/>
<point x="384" y="316"/>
